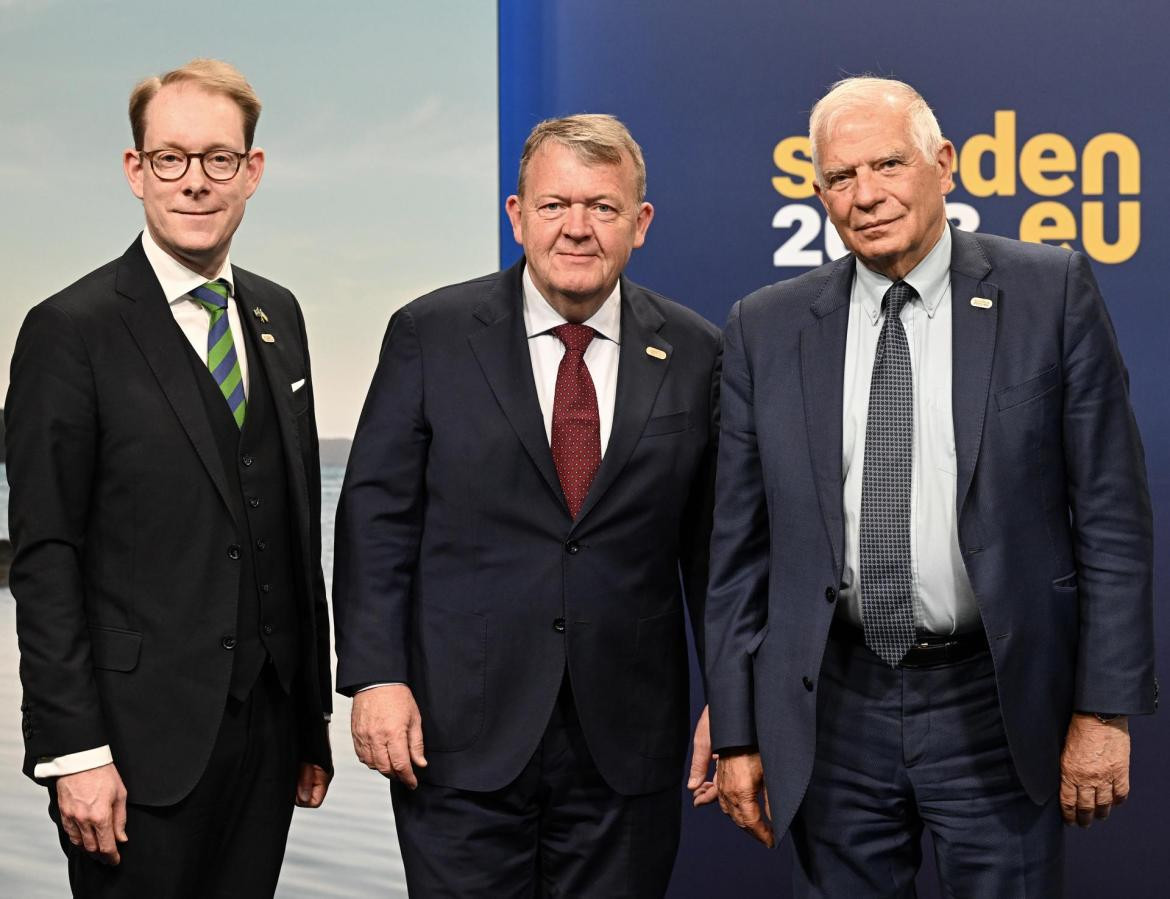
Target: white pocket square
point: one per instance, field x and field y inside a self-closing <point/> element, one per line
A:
<point x="297" y="385"/>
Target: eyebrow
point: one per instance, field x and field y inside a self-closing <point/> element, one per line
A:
<point x="588" y="201"/>
<point x="899" y="154"/>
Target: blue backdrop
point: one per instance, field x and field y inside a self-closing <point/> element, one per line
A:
<point x="1053" y="107"/>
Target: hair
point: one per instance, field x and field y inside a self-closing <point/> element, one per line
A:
<point x="596" y="139"/>
<point x="864" y="93"/>
<point x="211" y="75"/>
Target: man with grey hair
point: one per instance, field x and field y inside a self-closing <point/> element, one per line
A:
<point x="531" y="474"/>
<point x="930" y="599"/>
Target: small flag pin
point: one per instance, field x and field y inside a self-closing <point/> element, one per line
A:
<point x="268" y="338"/>
<point x="981" y="302"/>
<point x="259" y="313"/>
<point x="655" y="352"/>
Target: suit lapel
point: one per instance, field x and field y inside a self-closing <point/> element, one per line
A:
<point x="501" y="348"/>
<point x="822" y="360"/>
<point x="268" y="355"/>
<point x="162" y="344"/>
<point x="639" y="377"/>
<point x="973" y="331"/>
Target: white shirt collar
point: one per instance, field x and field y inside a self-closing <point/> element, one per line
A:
<point x="540" y="317"/>
<point x="175" y="278"/>
<point x="929" y="278"/>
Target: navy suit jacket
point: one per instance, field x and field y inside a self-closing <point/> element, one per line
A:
<point x="122" y="516"/>
<point x="460" y="572"/>
<point x="1054" y="516"/>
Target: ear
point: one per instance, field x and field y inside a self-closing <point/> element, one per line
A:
<point x="512" y="208"/>
<point x="135" y="168"/>
<point x="642" y="225"/>
<point x="253" y="170"/>
<point x="946" y="167"/>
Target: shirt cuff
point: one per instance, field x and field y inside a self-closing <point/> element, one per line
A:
<point x="73" y="763"/>
<point x="389" y="683"/>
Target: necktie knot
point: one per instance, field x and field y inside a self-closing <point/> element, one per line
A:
<point x="898" y="295"/>
<point x="576" y="338"/>
<point x="212" y="295"/>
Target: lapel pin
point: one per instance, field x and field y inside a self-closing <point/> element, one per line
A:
<point x="981" y="302"/>
<point x="655" y="352"/>
<point x="268" y="338"/>
<point x="260" y="314"/>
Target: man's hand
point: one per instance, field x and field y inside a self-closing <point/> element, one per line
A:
<point x="387" y="732"/>
<point x="312" y="785"/>
<point x="739" y="778"/>
<point x="1094" y="768"/>
<point x="702" y="790"/>
<point x="93" y="811"/>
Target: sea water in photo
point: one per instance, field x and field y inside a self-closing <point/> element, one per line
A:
<point x="346" y="848"/>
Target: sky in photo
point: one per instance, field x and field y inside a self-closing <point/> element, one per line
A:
<point x="380" y="129"/>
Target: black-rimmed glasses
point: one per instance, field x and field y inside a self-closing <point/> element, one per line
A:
<point x="169" y="164"/>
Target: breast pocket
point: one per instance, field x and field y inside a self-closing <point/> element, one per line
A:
<point x="300" y="395"/>
<point x="671" y="423"/>
<point x="1026" y="391"/>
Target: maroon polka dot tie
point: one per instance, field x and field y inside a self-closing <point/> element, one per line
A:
<point x="576" y="424"/>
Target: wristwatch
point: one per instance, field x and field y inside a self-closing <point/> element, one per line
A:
<point x="1105" y="718"/>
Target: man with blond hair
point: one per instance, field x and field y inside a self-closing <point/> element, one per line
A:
<point x="165" y="512"/>
<point x="930" y="600"/>
<point x="531" y="474"/>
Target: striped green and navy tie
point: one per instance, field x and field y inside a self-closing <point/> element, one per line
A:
<point x="221" y="352"/>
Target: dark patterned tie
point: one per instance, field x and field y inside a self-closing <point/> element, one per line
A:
<point x="887" y="602"/>
<point x="576" y="424"/>
<point x="221" y="351"/>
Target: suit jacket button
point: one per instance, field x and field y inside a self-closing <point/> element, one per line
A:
<point x="265" y="588"/>
<point x="572" y="547"/>
<point x="233" y="551"/>
<point x="559" y="625"/>
<point x="808" y="684"/>
<point x="268" y="630"/>
<point x="261" y="545"/>
<point x="246" y="460"/>
<point x="228" y="642"/>
<point x="254" y="502"/>
<point x="830" y="594"/>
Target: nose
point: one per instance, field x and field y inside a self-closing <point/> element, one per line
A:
<point x="576" y="222"/>
<point x="867" y="191"/>
<point x="195" y="180"/>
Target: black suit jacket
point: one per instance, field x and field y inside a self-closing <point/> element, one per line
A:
<point x="459" y="570"/>
<point x="121" y="521"/>
<point x="1054" y="519"/>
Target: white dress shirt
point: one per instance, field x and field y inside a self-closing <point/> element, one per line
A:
<point x="546" y="352"/>
<point x="195" y="321"/>
<point x="944" y="602"/>
<point x="177" y="282"/>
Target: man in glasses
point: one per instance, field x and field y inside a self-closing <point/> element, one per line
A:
<point x="164" y="506"/>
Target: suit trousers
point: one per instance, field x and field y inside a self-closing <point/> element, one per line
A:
<point x="557" y="830"/>
<point x="227" y="837"/>
<point x="900" y="749"/>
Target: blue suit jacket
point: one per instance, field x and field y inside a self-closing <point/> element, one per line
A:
<point x="458" y="567"/>
<point x="1054" y="515"/>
